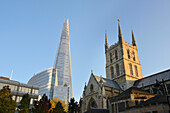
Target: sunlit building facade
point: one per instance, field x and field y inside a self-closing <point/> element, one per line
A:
<point x="19" y="89"/>
<point x="43" y="80"/>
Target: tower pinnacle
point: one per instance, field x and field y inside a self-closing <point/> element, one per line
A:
<point x="120" y="32"/>
<point x="133" y="39"/>
<point x="106" y="42"/>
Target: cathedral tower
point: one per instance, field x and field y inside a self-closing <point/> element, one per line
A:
<point x="122" y="61"/>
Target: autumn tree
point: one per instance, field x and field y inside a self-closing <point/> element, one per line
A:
<point x="58" y="108"/>
<point x="24" y="104"/>
<point x="7" y="105"/>
<point x="56" y="103"/>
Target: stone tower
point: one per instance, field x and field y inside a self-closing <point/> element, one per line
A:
<point x="122" y="61"/>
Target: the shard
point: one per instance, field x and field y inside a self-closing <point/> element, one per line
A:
<point x="63" y="66"/>
<point x="57" y="81"/>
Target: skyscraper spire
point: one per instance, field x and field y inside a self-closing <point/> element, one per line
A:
<point x="63" y="61"/>
<point x="133" y="39"/>
<point x="106" y="42"/>
<point x="120" y="32"/>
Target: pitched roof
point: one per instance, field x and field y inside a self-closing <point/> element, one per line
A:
<point x="107" y="82"/>
<point x="149" y="80"/>
<point x="157" y="99"/>
<point x="126" y="94"/>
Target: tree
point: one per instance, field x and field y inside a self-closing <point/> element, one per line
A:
<point x="73" y="106"/>
<point x="7" y="105"/>
<point x="42" y="106"/>
<point x="24" y="104"/>
<point x="55" y="101"/>
<point x="58" y="108"/>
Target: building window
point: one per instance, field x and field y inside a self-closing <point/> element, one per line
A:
<point x="136" y="70"/>
<point x="136" y="102"/>
<point x="92" y="104"/>
<point x="91" y="87"/>
<point x="112" y="72"/>
<point x="31" y="101"/>
<point x="17" y="100"/>
<point x="121" y="106"/>
<point x="154" y="111"/>
<point x="117" y="69"/>
<point x="116" y="110"/>
<point x="134" y="56"/>
<point x="131" y="70"/>
<point x="110" y="57"/>
<point x="113" y="108"/>
<point x="116" y="56"/>
<point x="127" y="104"/>
<point x="128" y="53"/>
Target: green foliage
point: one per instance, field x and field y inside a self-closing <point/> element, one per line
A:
<point x="24" y="104"/>
<point x="7" y="105"/>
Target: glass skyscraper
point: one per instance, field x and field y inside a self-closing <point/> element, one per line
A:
<point x="58" y="79"/>
<point x="63" y="65"/>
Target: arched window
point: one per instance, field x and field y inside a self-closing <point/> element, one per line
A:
<point x="117" y="69"/>
<point x="91" y="87"/>
<point x="110" y="57"/>
<point x="116" y="56"/>
<point x="92" y="104"/>
<point x="136" y="70"/>
<point x="131" y="69"/>
<point x="128" y="53"/>
<point x="134" y="56"/>
<point x="112" y="72"/>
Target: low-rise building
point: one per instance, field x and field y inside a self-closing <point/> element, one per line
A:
<point x="129" y="98"/>
<point x="19" y="89"/>
<point x="157" y="104"/>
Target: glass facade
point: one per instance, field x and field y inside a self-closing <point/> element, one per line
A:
<point x="63" y="65"/>
<point x="57" y="81"/>
<point x="43" y="80"/>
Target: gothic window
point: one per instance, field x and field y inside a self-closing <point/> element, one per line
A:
<point x="127" y="104"/>
<point x="112" y="72"/>
<point x="117" y="69"/>
<point x="136" y="102"/>
<point x="128" y="53"/>
<point x="131" y="70"/>
<point x="110" y="57"/>
<point x="136" y="70"/>
<point x="116" y="56"/>
<point x="91" y="87"/>
<point x="91" y="104"/>
<point x="134" y="56"/>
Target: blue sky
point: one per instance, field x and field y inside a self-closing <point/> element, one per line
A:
<point x="30" y="31"/>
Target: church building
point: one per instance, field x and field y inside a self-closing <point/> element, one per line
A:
<point x="122" y="69"/>
<point x="124" y="90"/>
